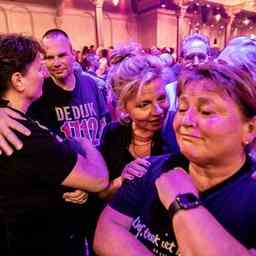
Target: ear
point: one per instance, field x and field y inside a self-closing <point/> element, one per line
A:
<point x="250" y="131"/>
<point x="123" y="113"/>
<point x="123" y="108"/>
<point x="73" y="54"/>
<point x="17" y="81"/>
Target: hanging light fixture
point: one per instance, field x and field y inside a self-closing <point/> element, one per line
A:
<point x="217" y="17"/>
<point x="246" y="21"/>
<point x="163" y="4"/>
<point x="115" y="2"/>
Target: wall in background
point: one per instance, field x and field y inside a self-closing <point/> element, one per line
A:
<point x="35" y="19"/>
<point x="166" y="28"/>
<point x="155" y="27"/>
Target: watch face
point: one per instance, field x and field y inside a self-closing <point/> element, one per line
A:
<point x="187" y="201"/>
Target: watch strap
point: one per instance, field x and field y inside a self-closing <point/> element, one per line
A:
<point x="191" y="201"/>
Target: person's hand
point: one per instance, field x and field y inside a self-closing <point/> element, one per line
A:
<point x="136" y="168"/>
<point x="76" y="197"/>
<point x="8" y="140"/>
<point x="172" y="183"/>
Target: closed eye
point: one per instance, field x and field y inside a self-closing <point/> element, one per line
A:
<point x="181" y="110"/>
<point x="206" y="112"/>
<point x="48" y="57"/>
<point x="62" y="55"/>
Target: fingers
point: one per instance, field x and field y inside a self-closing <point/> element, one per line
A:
<point x="136" y="168"/>
<point x="8" y="139"/>
<point x="128" y="176"/>
<point x="15" y="125"/>
<point x="12" y="113"/>
<point x="142" y="161"/>
<point x="5" y="147"/>
<point x="76" y="197"/>
<point x="77" y="201"/>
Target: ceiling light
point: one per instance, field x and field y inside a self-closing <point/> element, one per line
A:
<point x="115" y="2"/>
<point x="246" y="21"/>
<point x="217" y="17"/>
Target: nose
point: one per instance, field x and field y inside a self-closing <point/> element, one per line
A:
<point x="196" y="60"/>
<point x="189" y="118"/>
<point x="157" y="109"/>
<point x="56" y="61"/>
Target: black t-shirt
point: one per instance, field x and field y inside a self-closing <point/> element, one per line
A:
<point x="79" y="113"/>
<point x="29" y="192"/>
<point x="232" y="203"/>
<point x="114" y="147"/>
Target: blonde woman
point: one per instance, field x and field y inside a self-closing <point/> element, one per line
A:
<point x="135" y="82"/>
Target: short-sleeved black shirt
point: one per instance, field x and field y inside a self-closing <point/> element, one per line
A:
<point x="30" y="197"/>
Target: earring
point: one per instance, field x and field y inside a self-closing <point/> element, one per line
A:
<point x="247" y="142"/>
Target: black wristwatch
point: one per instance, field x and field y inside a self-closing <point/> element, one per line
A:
<point x="183" y="202"/>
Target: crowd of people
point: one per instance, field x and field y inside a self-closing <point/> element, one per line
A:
<point x="127" y="151"/>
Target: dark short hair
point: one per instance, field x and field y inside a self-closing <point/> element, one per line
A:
<point x="55" y="32"/>
<point x="231" y="80"/>
<point x="17" y="52"/>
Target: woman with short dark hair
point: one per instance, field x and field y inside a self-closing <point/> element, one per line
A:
<point x="31" y="178"/>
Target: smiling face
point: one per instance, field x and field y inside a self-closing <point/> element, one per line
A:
<point x="59" y="57"/>
<point x="148" y="109"/>
<point x="209" y="125"/>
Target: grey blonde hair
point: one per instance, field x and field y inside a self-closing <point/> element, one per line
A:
<point x="241" y="53"/>
<point x="131" y="69"/>
<point x="194" y="37"/>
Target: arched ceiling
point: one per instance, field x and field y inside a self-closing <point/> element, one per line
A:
<point x="128" y="6"/>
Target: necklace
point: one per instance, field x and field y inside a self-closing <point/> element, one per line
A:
<point x="140" y="150"/>
<point x="141" y="143"/>
<point x="139" y="135"/>
<point x="141" y="139"/>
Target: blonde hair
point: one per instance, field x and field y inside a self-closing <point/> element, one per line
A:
<point x="131" y="69"/>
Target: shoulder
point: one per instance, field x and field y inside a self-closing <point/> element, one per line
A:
<point x="39" y="135"/>
<point x="163" y="163"/>
<point x="241" y="185"/>
<point x="50" y="89"/>
<point x="49" y="85"/>
<point x="83" y="77"/>
<point x="115" y="132"/>
<point x="247" y="179"/>
<point x="133" y="194"/>
<point x="34" y="126"/>
<point x="116" y="129"/>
